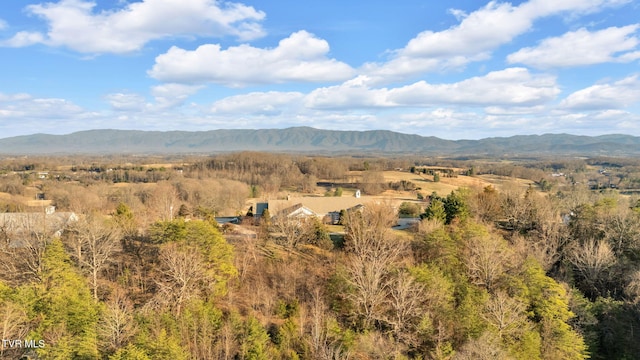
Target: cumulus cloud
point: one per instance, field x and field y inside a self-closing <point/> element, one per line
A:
<point x="166" y="96"/>
<point x="480" y="31"/>
<point x="24" y="106"/>
<point x="54" y="108"/>
<point x="582" y="47"/>
<point x="23" y="38"/>
<point x="616" y="95"/>
<point x="171" y="95"/>
<point x="509" y="87"/>
<point x="74" y="24"/>
<point x="513" y="86"/>
<point x="620" y="120"/>
<point x="270" y="103"/>
<point x="474" y="38"/>
<point x="354" y="93"/>
<point x="301" y="57"/>
<point x="126" y="102"/>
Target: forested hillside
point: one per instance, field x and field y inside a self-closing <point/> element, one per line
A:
<point x="310" y="140"/>
<point x="145" y="272"/>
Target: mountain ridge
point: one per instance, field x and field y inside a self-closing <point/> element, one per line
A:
<point x="307" y="139"/>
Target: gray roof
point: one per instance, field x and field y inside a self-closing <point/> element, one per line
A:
<point x="18" y="226"/>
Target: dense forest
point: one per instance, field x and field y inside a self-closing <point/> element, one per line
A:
<point x="545" y="271"/>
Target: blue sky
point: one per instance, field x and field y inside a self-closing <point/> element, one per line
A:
<point x="453" y="69"/>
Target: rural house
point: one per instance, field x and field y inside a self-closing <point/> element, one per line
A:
<point x="324" y="208"/>
<point x="16" y="229"/>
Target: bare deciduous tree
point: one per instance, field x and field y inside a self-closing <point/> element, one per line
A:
<point x="592" y="261"/>
<point x="13" y="325"/>
<point x="505" y="314"/>
<point x="622" y="230"/>
<point x="372" y="182"/>
<point x="116" y="326"/>
<point x="486" y="204"/>
<point x="487" y="257"/>
<point x="592" y="257"/>
<point x="318" y="311"/>
<point x="406" y="301"/>
<point x="95" y="241"/>
<point x="183" y="272"/>
<point x="486" y="347"/>
<point x="26" y="237"/>
<point x="165" y="200"/>
<point x="290" y="228"/>
<point x="227" y="345"/>
<point x="372" y="251"/>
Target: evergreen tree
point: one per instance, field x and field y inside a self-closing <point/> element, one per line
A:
<point x="455" y="205"/>
<point x="435" y="211"/>
<point x="125" y="219"/>
<point x="548" y="303"/>
<point x="62" y="306"/>
<point x="254" y="341"/>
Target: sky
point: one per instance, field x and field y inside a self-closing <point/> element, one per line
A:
<point x="456" y="69"/>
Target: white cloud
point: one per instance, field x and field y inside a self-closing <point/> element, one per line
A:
<point x="171" y="95"/>
<point x="617" y="95"/>
<point x="21" y="107"/>
<point x="515" y="110"/>
<point x="14" y="97"/>
<point x="166" y="96"/>
<point x="582" y="47"/>
<point x="354" y="93"/>
<point x="270" y="103"/>
<point x="3" y="24"/>
<point x="509" y="87"/>
<point x="610" y="114"/>
<point x="513" y="86"/>
<point x="54" y="108"/>
<point x="458" y="14"/>
<point x="23" y="38"/>
<point x="480" y="31"/>
<point x="75" y="25"/>
<point x="629" y="56"/>
<point x="126" y="102"/>
<point x="451" y="123"/>
<point x="618" y="120"/>
<point x="301" y="57"/>
<point x="441" y="118"/>
<point x="474" y="38"/>
<point x="595" y="123"/>
<point x="23" y="114"/>
<point x="573" y="7"/>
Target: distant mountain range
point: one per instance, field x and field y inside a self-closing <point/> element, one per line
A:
<point x="310" y="140"/>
